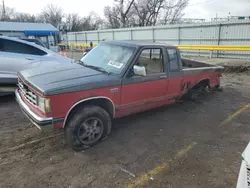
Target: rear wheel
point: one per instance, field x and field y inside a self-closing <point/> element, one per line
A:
<point x="196" y="91"/>
<point x="87" y="127"/>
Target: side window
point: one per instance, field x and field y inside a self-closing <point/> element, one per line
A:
<point x="1" y="45"/>
<point x="173" y="60"/>
<point x="152" y="60"/>
<point x="16" y="47"/>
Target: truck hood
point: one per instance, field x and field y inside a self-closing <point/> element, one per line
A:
<point x="56" y="78"/>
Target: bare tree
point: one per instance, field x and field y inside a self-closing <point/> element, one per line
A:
<point x="144" y="12"/>
<point x="124" y="7"/>
<point x="24" y="17"/>
<point x="148" y="11"/>
<point x="6" y="15"/>
<point x="112" y="16"/>
<point x="74" y="22"/>
<point x="90" y="22"/>
<point x="52" y="14"/>
<point x="173" y="11"/>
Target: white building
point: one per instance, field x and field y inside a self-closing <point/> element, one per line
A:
<point x="44" y="31"/>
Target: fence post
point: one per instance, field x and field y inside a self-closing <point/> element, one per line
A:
<point x="98" y="37"/>
<point x="179" y="35"/>
<point x="86" y="39"/>
<point x="131" y="34"/>
<point x="113" y="33"/>
<point x="75" y="42"/>
<point x="153" y="34"/>
<point x="75" y="38"/>
<point x="211" y="54"/>
<point x="218" y="41"/>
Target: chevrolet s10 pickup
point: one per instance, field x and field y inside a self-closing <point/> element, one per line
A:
<point x="115" y="79"/>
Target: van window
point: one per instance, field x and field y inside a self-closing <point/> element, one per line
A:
<point x="21" y="48"/>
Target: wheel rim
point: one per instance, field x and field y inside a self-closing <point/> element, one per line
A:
<point x="90" y="131"/>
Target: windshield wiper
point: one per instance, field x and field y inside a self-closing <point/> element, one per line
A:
<point x="97" y="68"/>
<point x="94" y="67"/>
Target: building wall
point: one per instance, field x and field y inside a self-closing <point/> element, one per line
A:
<point x="214" y="33"/>
<point x="12" y="34"/>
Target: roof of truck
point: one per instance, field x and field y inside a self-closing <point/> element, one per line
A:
<point x="138" y="43"/>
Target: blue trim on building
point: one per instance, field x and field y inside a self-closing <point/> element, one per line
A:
<point x="39" y="32"/>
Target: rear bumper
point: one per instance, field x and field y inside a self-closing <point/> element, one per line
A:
<point x="38" y="121"/>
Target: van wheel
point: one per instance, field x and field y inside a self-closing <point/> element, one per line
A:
<point x="87" y="127"/>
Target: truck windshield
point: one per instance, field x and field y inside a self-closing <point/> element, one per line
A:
<point x="112" y="58"/>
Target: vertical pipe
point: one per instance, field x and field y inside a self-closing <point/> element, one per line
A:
<point x="153" y="36"/>
<point x="179" y="35"/>
<point x="86" y="39"/>
<point x="219" y="38"/>
<point x="98" y="37"/>
<point x="47" y="40"/>
<point x="75" y="38"/>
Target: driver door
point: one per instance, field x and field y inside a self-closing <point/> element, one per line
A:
<point x="140" y="93"/>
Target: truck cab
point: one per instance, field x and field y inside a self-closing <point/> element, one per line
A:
<point x="115" y="79"/>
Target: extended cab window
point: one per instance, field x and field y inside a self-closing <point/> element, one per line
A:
<point x="17" y="47"/>
<point x="1" y="45"/>
<point x="173" y="60"/>
<point x="152" y="60"/>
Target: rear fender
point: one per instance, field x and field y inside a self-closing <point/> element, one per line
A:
<point x="188" y="85"/>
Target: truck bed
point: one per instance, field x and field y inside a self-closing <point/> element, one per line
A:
<point x="188" y="63"/>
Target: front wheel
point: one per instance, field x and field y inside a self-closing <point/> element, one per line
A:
<point x="87" y="127"/>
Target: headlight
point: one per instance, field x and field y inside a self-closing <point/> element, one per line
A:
<point x="44" y="104"/>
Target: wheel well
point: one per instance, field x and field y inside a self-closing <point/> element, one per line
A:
<point x="104" y="103"/>
<point x="205" y="82"/>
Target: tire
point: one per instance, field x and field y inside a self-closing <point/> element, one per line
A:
<point x="195" y="92"/>
<point x="87" y="127"/>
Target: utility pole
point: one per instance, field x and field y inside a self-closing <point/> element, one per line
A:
<point x="4" y="13"/>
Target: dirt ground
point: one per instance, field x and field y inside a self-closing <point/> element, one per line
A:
<point x="138" y="148"/>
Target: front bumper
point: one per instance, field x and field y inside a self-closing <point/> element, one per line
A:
<point x="38" y="121"/>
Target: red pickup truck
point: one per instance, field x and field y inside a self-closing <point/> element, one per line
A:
<point x="115" y="79"/>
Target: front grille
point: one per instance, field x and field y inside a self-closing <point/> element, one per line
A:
<point x="27" y="93"/>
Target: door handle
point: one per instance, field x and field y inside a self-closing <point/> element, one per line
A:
<point x="163" y="77"/>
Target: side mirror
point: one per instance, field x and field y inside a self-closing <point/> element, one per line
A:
<point x="139" y="70"/>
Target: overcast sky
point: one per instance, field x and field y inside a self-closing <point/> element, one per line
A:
<point x="196" y="9"/>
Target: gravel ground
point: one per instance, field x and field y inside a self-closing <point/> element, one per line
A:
<point x="141" y="149"/>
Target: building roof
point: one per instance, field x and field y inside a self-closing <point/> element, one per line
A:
<point x="24" y="26"/>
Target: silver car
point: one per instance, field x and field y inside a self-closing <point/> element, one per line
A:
<point x="17" y="55"/>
